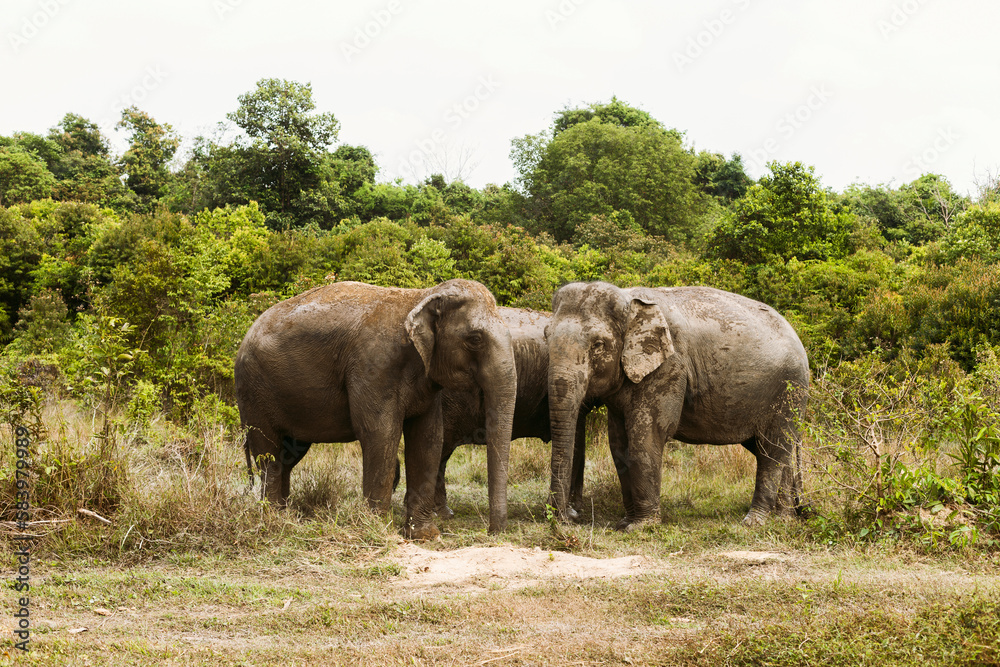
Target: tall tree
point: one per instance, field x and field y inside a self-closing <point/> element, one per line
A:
<point x="76" y="133"/>
<point x="286" y="137"/>
<point x="614" y="112"/>
<point x="84" y="168"/>
<point x="593" y="163"/>
<point x="151" y="147"/>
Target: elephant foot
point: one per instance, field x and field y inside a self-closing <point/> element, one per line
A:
<point x="572" y="515"/>
<point x="445" y="512"/>
<point x="754" y="518"/>
<point x="423" y="533"/>
<point x="632" y="524"/>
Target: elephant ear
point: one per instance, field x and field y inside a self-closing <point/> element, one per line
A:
<point x="421" y="323"/>
<point x="647" y="339"/>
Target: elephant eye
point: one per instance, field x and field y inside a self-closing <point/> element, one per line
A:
<point x="474" y="340"/>
<point x="597" y="347"/>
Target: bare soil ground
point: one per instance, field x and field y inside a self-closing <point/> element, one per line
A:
<point x="480" y="605"/>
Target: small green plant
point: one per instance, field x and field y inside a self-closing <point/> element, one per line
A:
<point x="563" y="541"/>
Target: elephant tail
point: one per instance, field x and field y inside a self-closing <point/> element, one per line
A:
<point x="246" y="451"/>
<point x="801" y="509"/>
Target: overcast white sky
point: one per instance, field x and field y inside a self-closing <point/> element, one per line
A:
<point x="865" y="91"/>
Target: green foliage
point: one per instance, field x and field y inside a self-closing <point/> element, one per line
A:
<point x="23" y="176"/>
<point x="20" y="252"/>
<point x="21" y="401"/>
<point x="43" y="325"/>
<point x="911" y="448"/>
<point x="151" y="147"/>
<point x="724" y="179"/>
<point x="974" y="234"/>
<point x="285" y="139"/>
<point x="378" y="253"/>
<point x="614" y="112"/>
<point x="602" y="167"/>
<point x="900" y="214"/>
<point x="786" y="214"/>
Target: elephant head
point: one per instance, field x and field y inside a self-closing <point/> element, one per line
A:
<point x="464" y="344"/>
<point x="599" y="338"/>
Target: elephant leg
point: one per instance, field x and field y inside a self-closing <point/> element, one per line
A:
<point x="422" y="437"/>
<point x="440" y="492"/>
<point x="650" y="422"/>
<point x="264" y="452"/>
<point x="618" y="440"/>
<point x="645" y="459"/>
<point x="579" y="461"/>
<point x="775" y="488"/>
<point x="378" y="459"/>
<point x="292" y="451"/>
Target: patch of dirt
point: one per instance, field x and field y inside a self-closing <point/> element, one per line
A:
<point x="755" y="557"/>
<point x="482" y="568"/>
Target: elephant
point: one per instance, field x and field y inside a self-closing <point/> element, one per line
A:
<point x="697" y="364"/>
<point x="350" y="361"/>
<point x="465" y="421"/>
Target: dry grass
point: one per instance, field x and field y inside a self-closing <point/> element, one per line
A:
<point x="195" y="570"/>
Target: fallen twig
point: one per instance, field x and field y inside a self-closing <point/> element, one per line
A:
<point x="94" y="515"/>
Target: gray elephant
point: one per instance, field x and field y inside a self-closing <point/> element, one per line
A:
<point x="697" y="364"/>
<point x="465" y="420"/>
<point x="351" y="361"/>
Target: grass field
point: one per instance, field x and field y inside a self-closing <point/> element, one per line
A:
<point x="193" y="570"/>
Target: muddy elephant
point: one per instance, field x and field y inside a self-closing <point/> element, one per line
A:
<point x="350" y="361"/>
<point x="465" y="419"/>
<point x="696" y="364"/>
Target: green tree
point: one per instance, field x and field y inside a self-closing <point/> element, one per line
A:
<point x="76" y="133"/>
<point x="900" y="217"/>
<point x="614" y="112"/>
<point x="84" y="167"/>
<point x="973" y="234"/>
<point x="151" y="147"/>
<point x="286" y="141"/>
<point x="633" y="173"/>
<point x="23" y="176"/>
<point x="786" y="214"/>
<point x="724" y="179"/>
<point x="20" y="252"/>
<point x="43" y="324"/>
<point x="935" y="197"/>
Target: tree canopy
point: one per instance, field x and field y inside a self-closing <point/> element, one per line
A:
<point x="613" y="161"/>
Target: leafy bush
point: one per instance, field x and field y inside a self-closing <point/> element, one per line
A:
<point x="905" y="448"/>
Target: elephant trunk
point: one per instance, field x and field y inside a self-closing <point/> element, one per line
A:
<point x="567" y="390"/>
<point x="499" y="383"/>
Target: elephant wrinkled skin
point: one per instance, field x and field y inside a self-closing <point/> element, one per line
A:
<point x="465" y="420"/>
<point x="696" y="364"/>
<point x="350" y="361"/>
